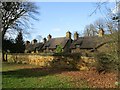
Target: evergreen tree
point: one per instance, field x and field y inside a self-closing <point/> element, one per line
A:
<point x="20" y="46"/>
<point x="8" y="46"/>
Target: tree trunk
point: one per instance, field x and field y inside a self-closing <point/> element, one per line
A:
<point x="3" y="56"/>
<point x="6" y="57"/>
<point x="3" y="53"/>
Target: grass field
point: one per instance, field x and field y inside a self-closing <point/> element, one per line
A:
<point x="30" y="76"/>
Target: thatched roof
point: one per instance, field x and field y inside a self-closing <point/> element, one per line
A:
<point x="53" y="42"/>
<point x="33" y="47"/>
<point x="90" y="42"/>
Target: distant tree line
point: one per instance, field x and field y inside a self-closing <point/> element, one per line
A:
<point x="14" y="46"/>
<point x="109" y="27"/>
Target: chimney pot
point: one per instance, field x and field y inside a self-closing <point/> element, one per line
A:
<point x="44" y="40"/>
<point x="76" y="35"/>
<point x="34" y="41"/>
<point x="68" y="34"/>
<point x="101" y="32"/>
<point x="49" y="37"/>
<point x="27" y="43"/>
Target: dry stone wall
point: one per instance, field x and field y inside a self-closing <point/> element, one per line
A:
<point x="57" y="61"/>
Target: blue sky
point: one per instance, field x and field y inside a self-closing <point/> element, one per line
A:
<point x="56" y="18"/>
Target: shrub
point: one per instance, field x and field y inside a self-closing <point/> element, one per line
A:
<point x="66" y="62"/>
<point x="105" y="62"/>
<point x="59" y="49"/>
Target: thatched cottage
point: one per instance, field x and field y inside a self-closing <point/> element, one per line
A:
<point x="89" y="43"/>
<point x="33" y="47"/>
<point x="77" y="45"/>
<point x="52" y="43"/>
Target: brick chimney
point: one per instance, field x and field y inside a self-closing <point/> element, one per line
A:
<point x="34" y="41"/>
<point x="44" y="40"/>
<point x="49" y="37"/>
<point x="68" y="34"/>
<point x="27" y="43"/>
<point x="101" y="32"/>
<point x="76" y="35"/>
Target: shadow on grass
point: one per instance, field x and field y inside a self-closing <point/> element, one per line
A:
<point x="33" y="72"/>
<point x="39" y="72"/>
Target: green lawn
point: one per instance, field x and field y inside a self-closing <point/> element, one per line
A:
<point x="30" y="76"/>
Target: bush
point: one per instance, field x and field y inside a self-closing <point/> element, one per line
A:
<point x="59" y="49"/>
<point x="67" y="61"/>
<point x="105" y="62"/>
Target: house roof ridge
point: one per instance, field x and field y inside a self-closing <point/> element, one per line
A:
<point x="58" y="37"/>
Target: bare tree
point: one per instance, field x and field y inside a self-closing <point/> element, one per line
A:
<point x="100" y="23"/>
<point x="112" y="24"/>
<point x="15" y="15"/>
<point x="111" y="27"/>
<point x="90" y="30"/>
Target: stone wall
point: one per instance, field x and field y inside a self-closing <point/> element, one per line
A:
<point x="73" y="61"/>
